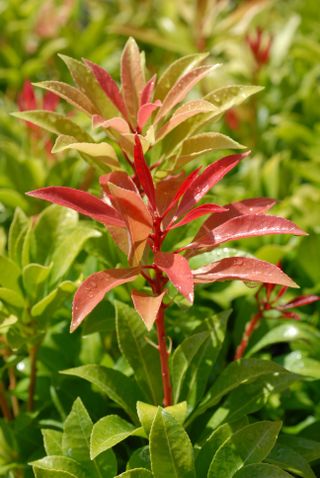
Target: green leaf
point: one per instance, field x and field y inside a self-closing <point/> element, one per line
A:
<point x="51" y="302"/>
<point x="33" y="275"/>
<point x="12" y="297"/>
<point x="54" y="223"/>
<point x="58" y="467"/>
<point x="103" y="153"/>
<point x="67" y="250"/>
<point x="142" y="357"/>
<point x="13" y="199"/>
<point x="194" y="358"/>
<point x="290" y="460"/>
<point x="69" y="93"/>
<point x="16" y="237"/>
<point x="136" y="473"/>
<point x="229" y="96"/>
<point x="174" y="71"/>
<point x="287" y="332"/>
<point x="87" y="83"/>
<point x="235" y="374"/>
<point x="170" y="448"/>
<point x="9" y="273"/>
<point x="213" y="443"/>
<point x="297" y="362"/>
<point x="120" y="388"/>
<point x="54" y="123"/>
<point x="251" y="444"/>
<point x="52" y="441"/>
<point x="140" y="458"/>
<point x="109" y="431"/>
<point x="308" y="449"/>
<point x="262" y="470"/>
<point x="76" y="433"/>
<point x="147" y="413"/>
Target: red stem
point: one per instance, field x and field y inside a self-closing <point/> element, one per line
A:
<point x="251" y="326"/>
<point x="6" y="412"/>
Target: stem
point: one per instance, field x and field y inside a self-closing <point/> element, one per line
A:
<point x="4" y="404"/>
<point x="33" y="377"/>
<point x="251" y="326"/>
<point x="164" y="358"/>
<point x="12" y="386"/>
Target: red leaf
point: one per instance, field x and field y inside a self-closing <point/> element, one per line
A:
<point x="50" y="101"/>
<point x="137" y="218"/>
<point x="198" y="212"/>
<point x="206" y="180"/>
<point x="166" y="190"/>
<point x="177" y="269"/>
<point x="147" y="91"/>
<point x="248" y="225"/>
<point x="80" y="201"/>
<point x="242" y="268"/>
<point x="182" y="189"/>
<point x="147" y="306"/>
<point x="247" y="206"/>
<point x="93" y="290"/>
<point x="145" y="111"/>
<point x="299" y="302"/>
<point x="109" y="86"/>
<point x="143" y="172"/>
<point x="27" y="98"/>
<point x="119" y="178"/>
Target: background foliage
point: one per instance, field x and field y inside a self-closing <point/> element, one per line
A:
<point x="47" y="251"/>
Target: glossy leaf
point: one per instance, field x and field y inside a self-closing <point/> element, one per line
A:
<point x="54" y="123"/>
<point x="108" y="432"/>
<point x="120" y="388"/>
<point x="230" y="96"/>
<point x="143" y="172"/>
<point x="182" y="114"/>
<point x="82" y="202"/>
<point x="102" y="151"/>
<point x="52" y="441"/>
<point x="261" y="470"/>
<point x="242" y="268"/>
<point x="250" y="445"/>
<point x="173" y="197"/>
<point x="147" y="92"/>
<point x="197" y="212"/>
<point x="76" y="435"/>
<point x="132" y="78"/>
<point x="175" y="70"/>
<point x="69" y="93"/>
<point x="85" y="80"/>
<point x="300" y="301"/>
<point x="137" y="218"/>
<point x="58" y="467"/>
<point x="147" y="413"/>
<point x="235" y="374"/>
<point x="145" y="111"/>
<point x="93" y="290"/>
<point x="204" y="142"/>
<point x="181" y="88"/>
<point x="178" y="271"/>
<point x="147" y="306"/>
<point x="170" y="448"/>
<point x="309" y="449"/>
<point x="207" y="179"/>
<point x="109" y="86"/>
<point x="117" y="123"/>
<point x="290" y="460"/>
<point x="248" y="225"/>
<point x="136" y="473"/>
<point x="141" y="355"/>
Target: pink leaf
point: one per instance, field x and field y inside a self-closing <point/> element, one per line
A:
<point x="50" y="101"/>
<point x="80" y="201"/>
<point x="198" y="212"/>
<point x="299" y="302"/>
<point x="136" y="217"/>
<point x="166" y="191"/>
<point x="206" y="180"/>
<point x="27" y="98"/>
<point x="177" y="269"/>
<point x="190" y="109"/>
<point x="248" y="225"/>
<point x="183" y="187"/>
<point x="181" y="88"/>
<point x="117" y="123"/>
<point x="145" y="111"/>
<point x="93" y="290"/>
<point x="132" y="78"/>
<point x="119" y="178"/>
<point x="143" y="172"/>
<point x="147" y="91"/>
<point x="109" y="86"/>
<point x="147" y="306"/>
<point x="242" y="268"/>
